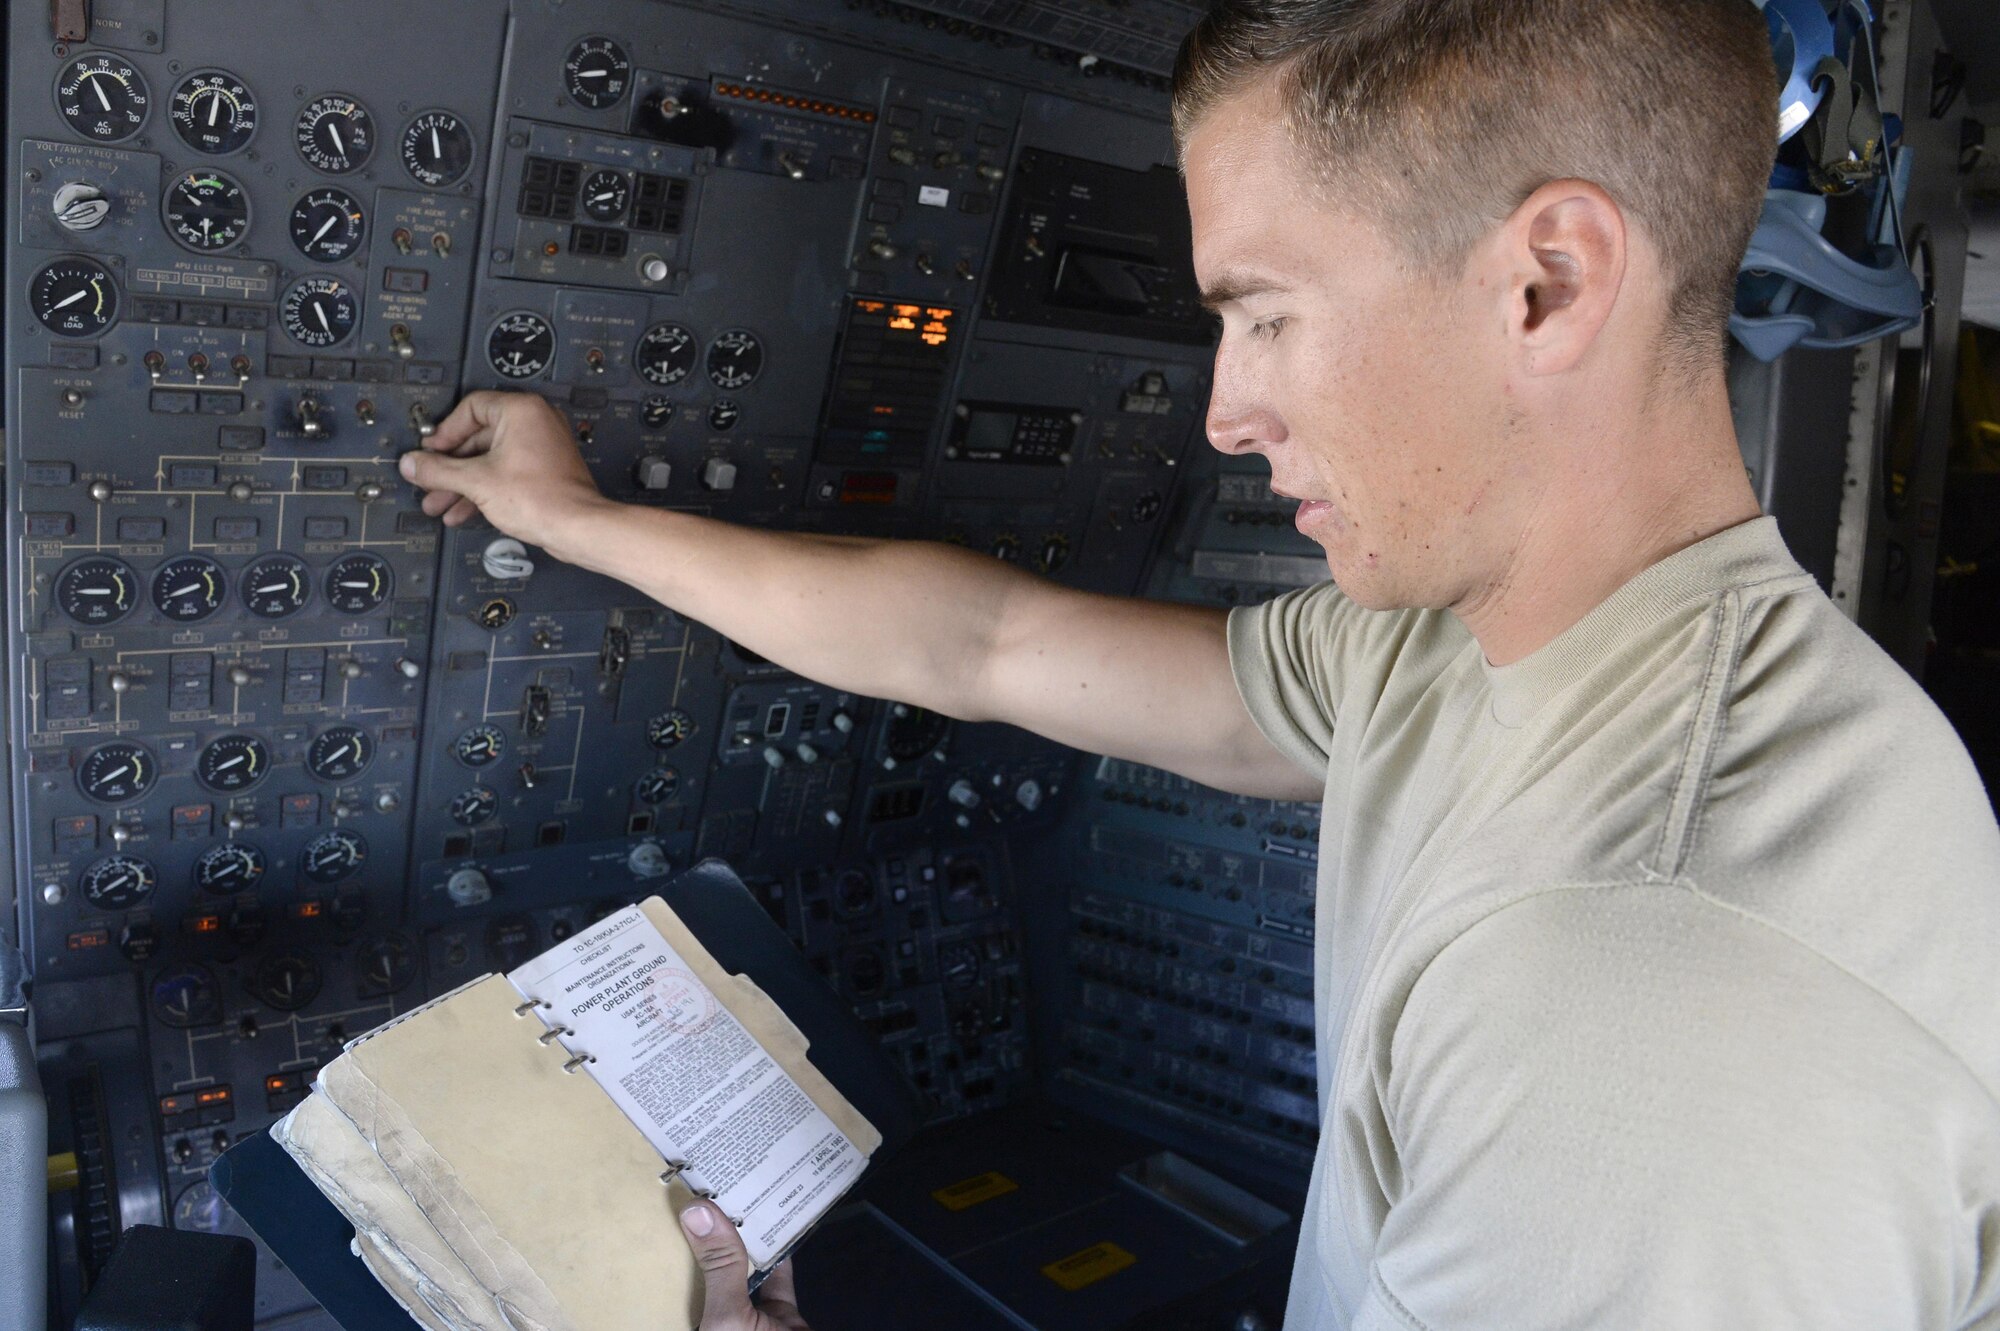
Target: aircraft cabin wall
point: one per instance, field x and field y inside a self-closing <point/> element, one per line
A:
<point x="288" y="757"/>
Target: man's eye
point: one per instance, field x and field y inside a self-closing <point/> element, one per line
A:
<point x="1266" y="329"/>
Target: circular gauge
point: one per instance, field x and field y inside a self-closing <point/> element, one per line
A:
<point x="234" y="762"/>
<point x="480" y="746"/>
<point x="520" y="346"/>
<point x="333" y="856"/>
<point x="358" y="583"/>
<point x="437" y="148"/>
<point x="327" y="224"/>
<point x="97" y="590"/>
<point x="116" y="773"/>
<point x="384" y="966"/>
<point x="185" y="996"/>
<point x="201" y="1208"/>
<point x="669" y="728"/>
<point x="188" y="588"/>
<point x="206" y="211"/>
<point x="605" y="194"/>
<point x="958" y="964"/>
<point x="734" y="359"/>
<point x="319" y="311"/>
<point x="74" y="297"/>
<point x="102" y="97"/>
<point x="657" y="786"/>
<point x="276" y="586"/>
<point x="597" y="72"/>
<point x="334" y="134"/>
<point x="214" y="112"/>
<point x="229" y="867"/>
<point x="656" y="411"/>
<point x="665" y="354"/>
<point x="475" y="806"/>
<point x="117" y="882"/>
<point x="339" y="753"/>
<point x="724" y="414"/>
<point x="287" y="981"/>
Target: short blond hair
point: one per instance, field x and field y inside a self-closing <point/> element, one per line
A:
<point x="1434" y="119"/>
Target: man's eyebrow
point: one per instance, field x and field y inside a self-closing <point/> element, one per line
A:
<point x="1232" y="286"/>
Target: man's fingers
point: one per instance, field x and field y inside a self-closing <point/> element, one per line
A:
<point x="476" y="413"/>
<point x="725" y="1267"/>
<point x="460" y="513"/>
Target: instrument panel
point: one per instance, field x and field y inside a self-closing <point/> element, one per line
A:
<point x="288" y="757"/>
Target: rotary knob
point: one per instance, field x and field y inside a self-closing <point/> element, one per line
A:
<point x="962" y="794"/>
<point x="506" y="559"/>
<point x="647" y="860"/>
<point x="468" y="887"/>
<point x="80" y="207"/>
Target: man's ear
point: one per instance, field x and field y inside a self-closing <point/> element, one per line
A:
<point x="1566" y="251"/>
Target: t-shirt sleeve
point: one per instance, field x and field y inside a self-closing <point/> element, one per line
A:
<point x="1629" y="1107"/>
<point x="1282" y="654"/>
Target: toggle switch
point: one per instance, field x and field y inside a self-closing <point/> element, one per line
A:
<point x="399" y="338"/>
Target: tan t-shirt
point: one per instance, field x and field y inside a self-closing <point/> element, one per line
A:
<point x="1658" y="974"/>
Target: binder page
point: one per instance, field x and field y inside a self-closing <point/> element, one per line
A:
<point x="693" y="1080"/>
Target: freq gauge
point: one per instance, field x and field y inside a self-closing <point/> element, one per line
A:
<point x="214" y="112"/>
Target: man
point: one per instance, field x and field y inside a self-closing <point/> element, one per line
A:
<point x="1659" y="913"/>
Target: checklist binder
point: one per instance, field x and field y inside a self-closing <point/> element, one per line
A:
<point x="515" y="1153"/>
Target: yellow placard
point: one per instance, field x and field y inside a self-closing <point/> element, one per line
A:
<point x="1089" y="1266"/>
<point x="972" y="1191"/>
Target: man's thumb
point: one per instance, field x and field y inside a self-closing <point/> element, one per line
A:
<point x="725" y="1266"/>
<point x="431" y="471"/>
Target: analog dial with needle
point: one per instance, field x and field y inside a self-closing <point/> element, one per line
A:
<point x="228" y="868"/>
<point x="186" y="996"/>
<point x="103" y="97"/>
<point x="214" y="112"/>
<point x="74" y="297"/>
<point x="276" y="586"/>
<point x="287" y="981"/>
<point x="327" y="224"/>
<point x="206" y="211"/>
<point x="358" y="583"/>
<point x="117" y="773"/>
<point x="605" y="194"/>
<point x="437" y="148"/>
<point x="118" y="882"/>
<point x="188" y="588"/>
<point x="97" y="590"/>
<point x="335" y="134"/>
<point x="333" y="856"/>
<point x="319" y="311"/>
<point x="597" y="72"/>
<point x="233" y="763"/>
<point x="339" y="753"/>
<point x="480" y="746"/>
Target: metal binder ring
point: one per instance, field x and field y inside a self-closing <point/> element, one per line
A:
<point x="552" y="1032"/>
<point x="675" y="1168"/>
<point x="578" y="1062"/>
<point x="522" y="1009"/>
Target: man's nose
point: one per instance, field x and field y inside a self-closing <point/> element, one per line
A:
<point x="1237" y="425"/>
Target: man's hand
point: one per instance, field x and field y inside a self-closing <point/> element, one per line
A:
<point x="725" y="1270"/>
<point x="510" y="456"/>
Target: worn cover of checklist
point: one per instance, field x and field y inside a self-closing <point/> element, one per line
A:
<point x="513" y="1154"/>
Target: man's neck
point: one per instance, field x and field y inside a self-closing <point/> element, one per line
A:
<point x="1675" y="478"/>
